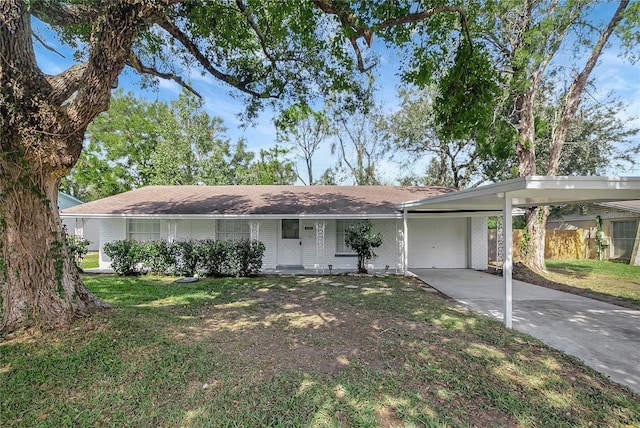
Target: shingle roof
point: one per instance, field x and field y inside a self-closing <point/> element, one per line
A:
<point x="257" y="200"/>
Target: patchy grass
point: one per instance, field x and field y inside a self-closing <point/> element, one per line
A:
<point x="90" y="260"/>
<point x="295" y="351"/>
<point x="612" y="282"/>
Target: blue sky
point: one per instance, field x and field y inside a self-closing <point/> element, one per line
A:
<point x="613" y="74"/>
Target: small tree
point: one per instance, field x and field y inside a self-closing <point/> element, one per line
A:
<point x="362" y="240"/>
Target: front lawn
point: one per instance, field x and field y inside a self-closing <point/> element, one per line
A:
<point x="617" y="283"/>
<point x="617" y="279"/>
<point x="291" y="352"/>
<point x="90" y="260"/>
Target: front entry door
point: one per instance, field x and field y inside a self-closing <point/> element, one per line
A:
<point x="289" y="243"/>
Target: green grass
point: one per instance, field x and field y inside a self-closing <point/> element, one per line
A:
<point x="90" y="260"/>
<point x="290" y="352"/>
<point x="605" y="277"/>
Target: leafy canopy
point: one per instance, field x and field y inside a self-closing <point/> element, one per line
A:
<point x="138" y="143"/>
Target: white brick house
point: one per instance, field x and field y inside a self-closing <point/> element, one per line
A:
<point x="301" y="226"/>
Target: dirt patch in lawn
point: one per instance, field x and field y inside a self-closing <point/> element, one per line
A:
<point x="302" y="328"/>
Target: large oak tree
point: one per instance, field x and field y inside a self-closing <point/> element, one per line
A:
<point x="264" y="49"/>
<point x="527" y="40"/>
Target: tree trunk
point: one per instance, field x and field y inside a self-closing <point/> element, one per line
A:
<point x="42" y="123"/>
<point x="308" y="162"/>
<point x="533" y="245"/>
<point x="536" y="218"/>
<point x="532" y="254"/>
<point x="41" y="285"/>
<point x="526" y="147"/>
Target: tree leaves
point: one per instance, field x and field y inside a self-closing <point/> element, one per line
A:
<point x="138" y="143"/>
<point x="467" y="97"/>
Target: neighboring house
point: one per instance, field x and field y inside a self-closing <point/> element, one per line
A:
<point x="619" y="226"/>
<point x="301" y="226"/>
<point x="89" y="229"/>
<point x="67" y="201"/>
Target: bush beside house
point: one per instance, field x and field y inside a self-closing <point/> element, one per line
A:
<point x="206" y="257"/>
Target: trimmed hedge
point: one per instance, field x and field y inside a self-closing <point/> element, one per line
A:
<point x="186" y="258"/>
<point x="126" y="256"/>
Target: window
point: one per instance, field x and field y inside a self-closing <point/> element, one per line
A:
<point x="341" y="228"/>
<point x="233" y="230"/>
<point x="144" y="230"/>
<point x="623" y="236"/>
<point x="290" y="229"/>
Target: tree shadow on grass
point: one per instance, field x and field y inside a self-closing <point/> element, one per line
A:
<point x="280" y="352"/>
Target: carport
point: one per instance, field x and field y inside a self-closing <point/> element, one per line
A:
<point x="523" y="192"/>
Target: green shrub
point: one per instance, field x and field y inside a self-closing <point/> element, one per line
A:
<point x="362" y="240"/>
<point x="125" y="256"/>
<point x="215" y="257"/>
<point x="247" y="257"/>
<point x="77" y="247"/>
<point x="207" y="256"/>
<point x="186" y="256"/>
<point x="158" y="257"/>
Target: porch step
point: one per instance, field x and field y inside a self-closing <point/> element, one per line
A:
<point x="289" y="267"/>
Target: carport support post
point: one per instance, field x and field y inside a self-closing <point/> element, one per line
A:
<point x="507" y="264"/>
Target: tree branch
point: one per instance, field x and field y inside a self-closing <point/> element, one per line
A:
<point x="254" y="25"/>
<point x="347" y="18"/>
<point x="112" y="36"/>
<point x="356" y="49"/>
<point x="191" y="47"/>
<point x="55" y="13"/>
<point x="577" y="87"/>
<point x="45" y="44"/>
<point x="134" y="62"/>
<point x="65" y="84"/>
<point x="419" y="16"/>
<point x="350" y="20"/>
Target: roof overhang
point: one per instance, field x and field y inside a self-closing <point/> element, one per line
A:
<point x="392" y="216"/>
<point x="531" y="191"/>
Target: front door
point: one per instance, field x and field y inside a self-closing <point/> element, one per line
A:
<point x="289" y="243"/>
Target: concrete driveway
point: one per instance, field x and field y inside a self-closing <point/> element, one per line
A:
<point x="606" y="337"/>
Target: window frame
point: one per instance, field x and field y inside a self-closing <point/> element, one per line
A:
<point x="342" y="250"/>
<point x="150" y="231"/>
<point x="283" y="229"/>
<point x="624" y="240"/>
<point x="233" y="230"/>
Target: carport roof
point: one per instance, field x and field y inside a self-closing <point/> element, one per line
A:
<point x="531" y="191"/>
